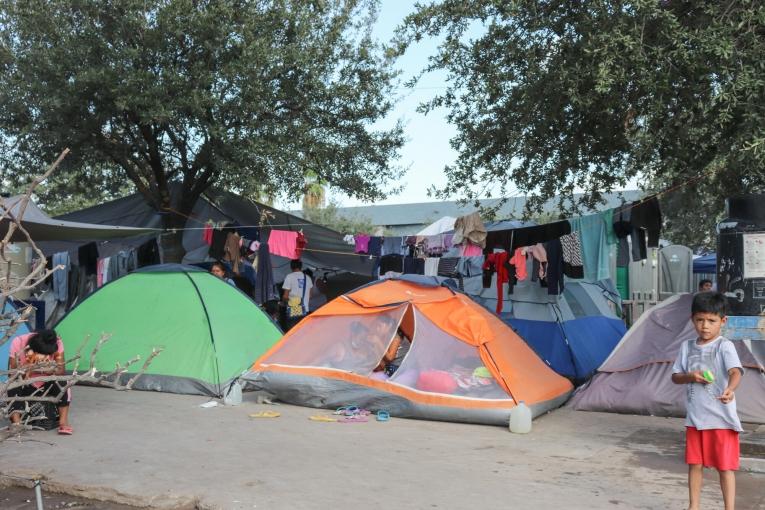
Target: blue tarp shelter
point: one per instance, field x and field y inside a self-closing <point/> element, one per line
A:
<point x="706" y="264"/>
<point x="21" y="330"/>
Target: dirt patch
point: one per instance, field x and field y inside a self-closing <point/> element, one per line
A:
<point x="21" y="498"/>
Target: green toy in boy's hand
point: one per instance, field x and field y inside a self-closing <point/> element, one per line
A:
<point x="708" y="375"/>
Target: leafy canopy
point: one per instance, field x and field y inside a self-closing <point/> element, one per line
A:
<point x="248" y="96"/>
<point x="556" y="95"/>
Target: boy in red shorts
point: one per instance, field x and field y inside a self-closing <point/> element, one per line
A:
<point x="710" y="368"/>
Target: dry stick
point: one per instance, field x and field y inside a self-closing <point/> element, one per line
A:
<point x="154" y="353"/>
<point x="18" y="377"/>
<point x="35" y="276"/>
<point x="27" y="197"/>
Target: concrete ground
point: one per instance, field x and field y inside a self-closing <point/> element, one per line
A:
<point x="164" y="451"/>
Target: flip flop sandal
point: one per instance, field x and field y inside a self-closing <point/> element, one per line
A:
<point x="65" y="430"/>
<point x="356" y="418"/>
<point x="347" y="410"/>
<point x="383" y="416"/>
<point x="321" y="417"/>
<point x="265" y="414"/>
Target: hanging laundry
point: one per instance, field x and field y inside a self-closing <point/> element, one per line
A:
<point x="87" y="257"/>
<point x="539" y="254"/>
<point x="434" y="245"/>
<point x="497" y="263"/>
<point x="300" y="243"/>
<point x="375" y="246"/>
<point x="646" y="215"/>
<point x="348" y="239"/>
<point x="283" y="243"/>
<point x="470" y="250"/>
<point x="392" y="245"/>
<point x="231" y="252"/>
<point x="637" y="220"/>
<point x="264" y="289"/>
<point x="414" y="265"/>
<point x="218" y="244"/>
<point x="554" y="267"/>
<point x="573" y="267"/>
<point x="362" y="243"/>
<point x="447" y="266"/>
<point x="207" y="233"/>
<point x="118" y="265"/>
<point x="431" y="266"/>
<point x="103" y="271"/>
<point x="470" y="228"/>
<point x="61" y="276"/>
<point x="594" y="246"/>
<point x="254" y="246"/>
<point x="608" y="219"/>
<point x="622" y="228"/>
<point x="392" y="262"/>
<point x="73" y="283"/>
<point x="470" y="266"/>
<point x="511" y="239"/>
<point x="518" y="260"/>
<point x="447" y="240"/>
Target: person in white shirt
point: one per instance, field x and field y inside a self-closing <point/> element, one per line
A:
<point x="296" y="293"/>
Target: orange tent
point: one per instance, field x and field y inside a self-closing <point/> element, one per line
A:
<point x="464" y="364"/>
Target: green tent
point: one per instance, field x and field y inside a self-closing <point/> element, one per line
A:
<point x="209" y="331"/>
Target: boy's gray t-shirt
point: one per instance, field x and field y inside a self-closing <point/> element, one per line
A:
<point x="704" y="410"/>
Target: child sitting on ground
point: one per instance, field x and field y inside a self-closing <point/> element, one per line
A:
<point x="44" y="349"/>
<point x="711" y="370"/>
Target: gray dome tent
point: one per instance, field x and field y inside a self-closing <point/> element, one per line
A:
<point x="636" y="378"/>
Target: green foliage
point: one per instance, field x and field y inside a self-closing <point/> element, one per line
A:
<point x="248" y="96"/>
<point x="330" y="217"/>
<point x="555" y="96"/>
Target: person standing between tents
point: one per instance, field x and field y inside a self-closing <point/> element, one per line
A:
<point x="318" y="294"/>
<point x="705" y="285"/>
<point x="296" y="294"/>
<point x="39" y="348"/>
<point x="711" y="370"/>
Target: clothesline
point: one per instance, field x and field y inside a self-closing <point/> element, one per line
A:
<point x="179" y="229"/>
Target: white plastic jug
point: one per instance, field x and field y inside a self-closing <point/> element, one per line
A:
<point x="520" y="419"/>
<point x="233" y="396"/>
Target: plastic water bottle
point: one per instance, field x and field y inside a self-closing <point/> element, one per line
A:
<point x="520" y="419"/>
<point x="233" y="396"/>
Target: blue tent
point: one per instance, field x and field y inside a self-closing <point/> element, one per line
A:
<point x="706" y="264"/>
<point x="573" y="333"/>
<point x="5" y="348"/>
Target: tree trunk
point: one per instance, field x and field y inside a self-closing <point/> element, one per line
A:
<point x="171" y="243"/>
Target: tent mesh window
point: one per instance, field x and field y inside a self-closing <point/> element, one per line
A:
<point x="354" y="343"/>
<point x="440" y="363"/>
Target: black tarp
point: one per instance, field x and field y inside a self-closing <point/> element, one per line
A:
<point x="41" y="227"/>
<point x="326" y="250"/>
